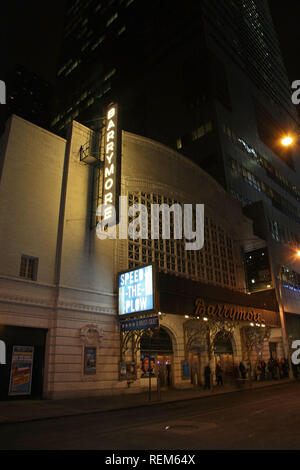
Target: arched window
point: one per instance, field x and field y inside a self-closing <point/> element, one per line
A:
<point x="223" y="344"/>
<point x="160" y="341"/>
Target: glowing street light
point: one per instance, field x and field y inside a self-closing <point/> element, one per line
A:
<point x="287" y="141"/>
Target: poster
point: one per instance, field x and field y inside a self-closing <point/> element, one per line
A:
<point x="127" y="371"/>
<point x="147" y="364"/>
<point x="21" y="370"/>
<point x="185" y="369"/>
<point x="90" y="361"/>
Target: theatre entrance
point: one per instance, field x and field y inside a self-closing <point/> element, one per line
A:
<point x="157" y="355"/>
<point x="224" y="355"/>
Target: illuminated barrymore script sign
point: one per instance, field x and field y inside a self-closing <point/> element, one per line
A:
<point x="227" y="311"/>
<point x="112" y="166"/>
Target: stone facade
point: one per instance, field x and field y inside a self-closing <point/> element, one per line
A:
<point x="45" y="212"/>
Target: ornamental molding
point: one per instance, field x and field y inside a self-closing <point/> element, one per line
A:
<point x="10" y="299"/>
<point x="85" y="308"/>
<point x="91" y="334"/>
<point x="51" y="304"/>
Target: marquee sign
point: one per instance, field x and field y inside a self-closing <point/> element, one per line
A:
<point x="112" y="166"/>
<point x="235" y="312"/>
<point x="139" y="323"/>
<point x="137" y="291"/>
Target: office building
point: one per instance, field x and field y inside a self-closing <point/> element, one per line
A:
<point x="28" y="96"/>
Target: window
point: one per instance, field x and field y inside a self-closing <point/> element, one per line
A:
<point x="215" y="263"/>
<point x="274" y="230"/>
<point x="111" y="19"/>
<point x="179" y="143"/>
<point x="28" y="267"/>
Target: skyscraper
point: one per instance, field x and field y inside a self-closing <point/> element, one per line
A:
<point x="28" y="96"/>
<point x="206" y="78"/>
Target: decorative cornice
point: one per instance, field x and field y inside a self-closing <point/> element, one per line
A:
<point x="26" y="281"/>
<point x="35" y="302"/>
<point x="51" y="304"/>
<point x="88" y="291"/>
<point x="85" y="308"/>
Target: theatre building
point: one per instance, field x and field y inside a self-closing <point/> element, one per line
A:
<point x="60" y="314"/>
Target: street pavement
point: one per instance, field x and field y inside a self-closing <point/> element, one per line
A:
<point x="16" y="411"/>
<point x="260" y="418"/>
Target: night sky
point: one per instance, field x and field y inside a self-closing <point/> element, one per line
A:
<point x="31" y="34"/>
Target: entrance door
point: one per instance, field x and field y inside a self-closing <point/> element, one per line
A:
<point x="224" y="355"/>
<point x="226" y="362"/>
<point x="164" y="369"/>
<point x="158" y="347"/>
<point x="195" y="367"/>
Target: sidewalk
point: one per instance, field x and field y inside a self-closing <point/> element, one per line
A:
<point x="18" y="411"/>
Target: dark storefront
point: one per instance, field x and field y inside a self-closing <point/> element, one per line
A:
<point x="23" y="374"/>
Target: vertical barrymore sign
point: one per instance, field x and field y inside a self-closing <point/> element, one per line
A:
<point x="112" y="166"/>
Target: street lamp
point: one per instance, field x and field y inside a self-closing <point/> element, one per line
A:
<point x="279" y="298"/>
<point x="287" y="141"/>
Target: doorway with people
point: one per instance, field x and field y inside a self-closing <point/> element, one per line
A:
<point x="224" y="356"/>
<point x="156" y="356"/>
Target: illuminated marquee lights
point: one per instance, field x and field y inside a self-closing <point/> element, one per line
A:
<point x="111" y="184"/>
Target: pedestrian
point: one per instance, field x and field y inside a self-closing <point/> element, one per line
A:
<point x="285" y="368"/>
<point x="263" y="370"/>
<point x="269" y="369"/>
<point x="295" y="370"/>
<point x="282" y="365"/>
<point x="207" y="374"/>
<point x="219" y="373"/>
<point x="272" y="366"/>
<point x="258" y="372"/>
<point x="242" y="369"/>
<point x="278" y="369"/>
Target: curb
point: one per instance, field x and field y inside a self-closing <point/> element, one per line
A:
<point x="136" y="406"/>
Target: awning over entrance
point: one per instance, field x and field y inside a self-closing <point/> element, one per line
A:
<point x="181" y="296"/>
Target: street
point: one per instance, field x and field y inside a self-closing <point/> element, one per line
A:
<point x="267" y="418"/>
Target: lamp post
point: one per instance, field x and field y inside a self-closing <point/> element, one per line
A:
<point x="287" y="141"/>
<point x="279" y="298"/>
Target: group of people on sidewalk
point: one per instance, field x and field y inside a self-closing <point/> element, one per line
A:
<point x="273" y="370"/>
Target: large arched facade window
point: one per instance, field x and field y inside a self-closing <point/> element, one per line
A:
<point x="156" y="356"/>
<point x="224" y="352"/>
